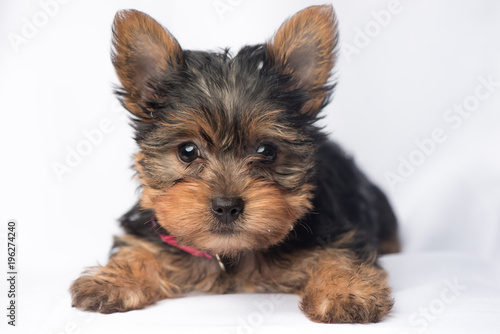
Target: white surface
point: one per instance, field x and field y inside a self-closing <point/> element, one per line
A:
<point x="395" y="91"/>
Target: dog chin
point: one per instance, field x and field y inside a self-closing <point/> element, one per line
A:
<point x="224" y="231"/>
<point x="232" y="243"/>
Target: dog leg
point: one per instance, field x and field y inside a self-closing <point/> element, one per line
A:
<point x="139" y="274"/>
<point x="341" y="291"/>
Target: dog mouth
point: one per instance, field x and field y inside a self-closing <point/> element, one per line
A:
<point x="225" y="230"/>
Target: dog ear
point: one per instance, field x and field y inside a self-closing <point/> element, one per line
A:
<point x="142" y="49"/>
<point x="303" y="47"/>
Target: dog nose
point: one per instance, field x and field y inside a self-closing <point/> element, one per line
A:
<point x="227" y="209"/>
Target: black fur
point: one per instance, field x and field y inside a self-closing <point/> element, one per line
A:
<point x="345" y="200"/>
<point x="221" y="73"/>
<point x="212" y="125"/>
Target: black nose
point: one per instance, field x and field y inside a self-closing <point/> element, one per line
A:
<point x="227" y="209"/>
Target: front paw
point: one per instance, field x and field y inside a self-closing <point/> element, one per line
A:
<point x="333" y="296"/>
<point x="98" y="292"/>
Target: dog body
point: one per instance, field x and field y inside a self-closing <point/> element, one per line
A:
<point x="241" y="192"/>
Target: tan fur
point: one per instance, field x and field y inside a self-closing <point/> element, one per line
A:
<point x="131" y="280"/>
<point x="266" y="221"/>
<point x="311" y="31"/>
<point x="333" y="286"/>
<point x="340" y="291"/>
<point x="142" y="48"/>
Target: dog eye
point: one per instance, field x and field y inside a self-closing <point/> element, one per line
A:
<point x="268" y="151"/>
<point x="188" y="152"/>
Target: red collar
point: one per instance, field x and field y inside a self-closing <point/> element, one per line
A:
<point x="171" y="240"/>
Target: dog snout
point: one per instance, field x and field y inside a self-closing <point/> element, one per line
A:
<point x="227" y="209"/>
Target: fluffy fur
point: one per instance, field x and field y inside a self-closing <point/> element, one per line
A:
<point x="311" y="223"/>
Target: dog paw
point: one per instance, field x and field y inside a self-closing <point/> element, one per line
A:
<point x="98" y="293"/>
<point x="360" y="297"/>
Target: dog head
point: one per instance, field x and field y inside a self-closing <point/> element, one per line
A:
<point x="226" y="143"/>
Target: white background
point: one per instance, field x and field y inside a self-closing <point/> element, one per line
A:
<point x="393" y="91"/>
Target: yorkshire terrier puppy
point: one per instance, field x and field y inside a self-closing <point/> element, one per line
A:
<point x="241" y="191"/>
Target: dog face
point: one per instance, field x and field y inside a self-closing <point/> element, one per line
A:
<point x="226" y="143"/>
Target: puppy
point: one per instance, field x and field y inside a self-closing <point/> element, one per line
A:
<point x="241" y="191"/>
